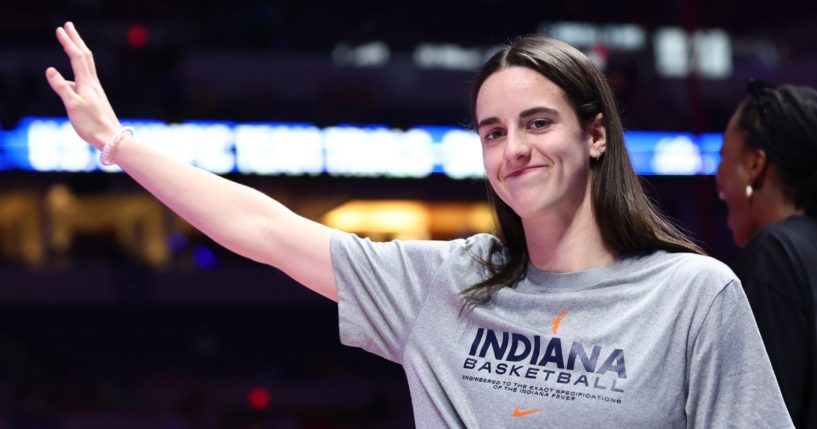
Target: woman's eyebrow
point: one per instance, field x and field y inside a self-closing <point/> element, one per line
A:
<point x="524" y="114"/>
<point x="537" y="110"/>
<point x="487" y="121"/>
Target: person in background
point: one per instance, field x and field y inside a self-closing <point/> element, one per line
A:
<point x="587" y="309"/>
<point x="768" y="179"/>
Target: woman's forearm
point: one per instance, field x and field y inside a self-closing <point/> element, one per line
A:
<point x="231" y="214"/>
<point x="237" y="217"/>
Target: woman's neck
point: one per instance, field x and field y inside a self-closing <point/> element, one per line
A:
<point x="567" y="242"/>
<point x="773" y="207"/>
<point x="770" y="204"/>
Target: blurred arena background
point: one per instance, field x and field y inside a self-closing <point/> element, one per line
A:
<point x="114" y="313"/>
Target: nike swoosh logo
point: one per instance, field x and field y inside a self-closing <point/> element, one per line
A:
<point x="522" y="413"/>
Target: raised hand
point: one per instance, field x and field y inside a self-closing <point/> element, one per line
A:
<point x="85" y="102"/>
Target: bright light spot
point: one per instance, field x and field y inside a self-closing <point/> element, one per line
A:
<point x="55" y="146"/>
<point x="137" y="36"/>
<point x="707" y="52"/>
<point x="677" y="155"/>
<point x="448" y="56"/>
<point x="672" y="52"/>
<point x="259" y="398"/>
<point x="279" y="149"/>
<point x="211" y="145"/>
<point x="578" y="34"/>
<point x="204" y="258"/>
<point x="404" y="218"/>
<point x="584" y="35"/>
<point x="713" y="53"/>
<point x="627" y="36"/>
<point x="461" y="155"/>
<point x="370" y="54"/>
<point x="353" y="151"/>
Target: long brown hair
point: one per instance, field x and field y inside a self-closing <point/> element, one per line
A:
<point x="629" y="221"/>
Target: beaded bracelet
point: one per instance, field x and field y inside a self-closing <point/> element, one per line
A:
<point x="105" y="157"/>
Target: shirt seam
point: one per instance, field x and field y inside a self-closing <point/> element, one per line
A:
<point x="700" y="328"/>
<point x="709" y="309"/>
<point x="421" y="308"/>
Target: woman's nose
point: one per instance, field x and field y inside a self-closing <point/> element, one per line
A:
<point x="516" y="148"/>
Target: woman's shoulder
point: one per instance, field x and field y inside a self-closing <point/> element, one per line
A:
<point x="791" y="231"/>
<point x="779" y="250"/>
<point x="796" y="235"/>
<point x="687" y="265"/>
<point x="481" y="245"/>
<point x="689" y="277"/>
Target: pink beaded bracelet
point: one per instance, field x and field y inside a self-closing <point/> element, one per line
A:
<point x="105" y="157"/>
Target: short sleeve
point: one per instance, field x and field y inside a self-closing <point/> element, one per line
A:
<point x="382" y="287"/>
<point x="731" y="383"/>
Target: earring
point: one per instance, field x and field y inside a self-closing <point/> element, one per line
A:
<point x="749" y="191"/>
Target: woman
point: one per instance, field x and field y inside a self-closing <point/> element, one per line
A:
<point x="768" y="179"/>
<point x="589" y="310"/>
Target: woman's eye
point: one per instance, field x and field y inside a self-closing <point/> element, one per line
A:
<point x="539" y="123"/>
<point x="493" y="135"/>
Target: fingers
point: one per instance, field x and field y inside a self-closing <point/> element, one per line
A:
<point x="65" y="89"/>
<point x="71" y="30"/>
<point x="81" y="61"/>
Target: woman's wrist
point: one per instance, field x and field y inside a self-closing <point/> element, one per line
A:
<point x="112" y="144"/>
<point x="100" y="138"/>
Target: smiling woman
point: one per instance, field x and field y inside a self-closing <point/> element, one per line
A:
<point x="536" y="158"/>
<point x="768" y="180"/>
<point x="560" y="115"/>
<point x="587" y="308"/>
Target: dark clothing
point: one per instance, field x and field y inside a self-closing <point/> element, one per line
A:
<point x="778" y="269"/>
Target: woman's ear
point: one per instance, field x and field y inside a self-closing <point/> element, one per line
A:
<point x="597" y="137"/>
<point x="755" y="162"/>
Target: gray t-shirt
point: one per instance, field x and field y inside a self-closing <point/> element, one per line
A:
<point x="664" y="340"/>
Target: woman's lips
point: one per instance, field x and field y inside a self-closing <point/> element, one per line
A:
<point x="522" y="171"/>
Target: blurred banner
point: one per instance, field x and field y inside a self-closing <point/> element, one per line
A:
<point x="51" y="145"/>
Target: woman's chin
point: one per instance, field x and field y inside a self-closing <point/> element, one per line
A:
<point x="740" y="236"/>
